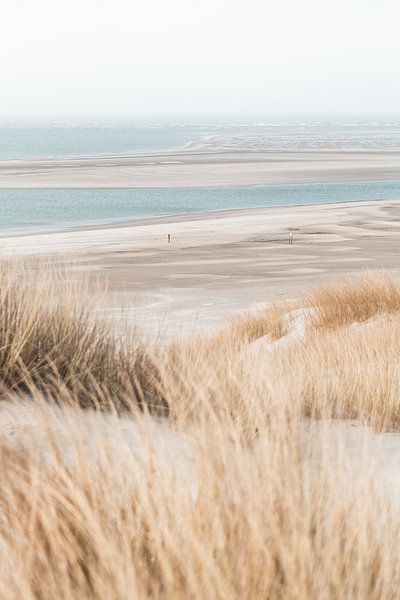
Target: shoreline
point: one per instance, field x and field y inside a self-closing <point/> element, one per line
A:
<point x="217" y="262"/>
<point x="132" y="222"/>
<point x="230" y="214"/>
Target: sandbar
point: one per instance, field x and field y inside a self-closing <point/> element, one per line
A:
<point x="203" y="169"/>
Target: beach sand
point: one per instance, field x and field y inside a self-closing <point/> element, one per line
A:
<point x="219" y="263"/>
<point x="203" y="169"/>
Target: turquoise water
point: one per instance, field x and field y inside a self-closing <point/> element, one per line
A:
<point x="24" y="210"/>
<point x="30" y="141"/>
<point x="62" y="141"/>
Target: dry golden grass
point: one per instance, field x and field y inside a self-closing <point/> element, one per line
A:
<point x="347" y="365"/>
<point x="195" y="373"/>
<point x="239" y="331"/>
<point x="354" y="300"/>
<point x="220" y="499"/>
<point x="347" y="373"/>
<point x="230" y="520"/>
<point x="251" y="326"/>
<point x="50" y="343"/>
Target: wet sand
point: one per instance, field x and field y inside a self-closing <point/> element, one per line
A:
<point x="203" y="169"/>
<point x="218" y="263"/>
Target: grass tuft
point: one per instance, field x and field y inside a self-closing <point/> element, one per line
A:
<point x="51" y="343"/>
<point x="353" y="301"/>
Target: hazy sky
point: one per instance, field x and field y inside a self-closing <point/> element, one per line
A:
<point x="169" y="58"/>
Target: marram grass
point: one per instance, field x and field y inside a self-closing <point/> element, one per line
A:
<point x="182" y="471"/>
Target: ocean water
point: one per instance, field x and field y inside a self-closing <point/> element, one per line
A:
<point x="26" y="210"/>
<point x="60" y="140"/>
<point x="67" y="141"/>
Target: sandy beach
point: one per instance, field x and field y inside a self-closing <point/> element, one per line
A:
<point x="202" y="169"/>
<point x="218" y="263"/>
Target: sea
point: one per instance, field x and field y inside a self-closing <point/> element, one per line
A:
<point x="26" y="210"/>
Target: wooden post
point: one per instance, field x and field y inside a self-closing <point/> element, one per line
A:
<point x="169" y="238"/>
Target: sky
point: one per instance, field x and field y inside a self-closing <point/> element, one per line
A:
<point x="153" y="59"/>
